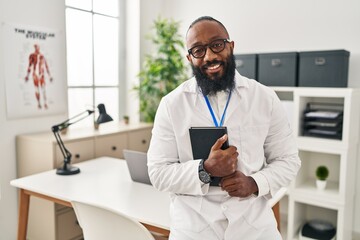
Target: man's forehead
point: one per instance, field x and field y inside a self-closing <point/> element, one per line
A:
<point x="203" y="31"/>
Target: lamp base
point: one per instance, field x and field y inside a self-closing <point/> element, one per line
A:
<point x="67" y="170"/>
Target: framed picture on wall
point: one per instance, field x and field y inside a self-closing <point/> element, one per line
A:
<point x="35" y="72"/>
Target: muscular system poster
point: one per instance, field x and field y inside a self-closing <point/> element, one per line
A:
<point x="35" y="76"/>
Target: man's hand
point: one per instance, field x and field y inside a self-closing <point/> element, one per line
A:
<point x="239" y="185"/>
<point x="220" y="162"/>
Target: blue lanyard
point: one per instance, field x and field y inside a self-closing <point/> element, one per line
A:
<point x="212" y="112"/>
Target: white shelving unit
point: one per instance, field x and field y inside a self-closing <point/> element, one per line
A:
<point x="334" y="204"/>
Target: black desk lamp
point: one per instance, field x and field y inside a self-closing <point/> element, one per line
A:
<point x="66" y="169"/>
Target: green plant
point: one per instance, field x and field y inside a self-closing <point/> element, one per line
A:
<point x="322" y="173"/>
<point x="162" y="71"/>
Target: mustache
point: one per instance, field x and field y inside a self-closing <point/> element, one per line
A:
<point x="217" y="83"/>
<point x="208" y="64"/>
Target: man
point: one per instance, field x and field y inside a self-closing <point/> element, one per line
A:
<point x="38" y="65"/>
<point x="262" y="157"/>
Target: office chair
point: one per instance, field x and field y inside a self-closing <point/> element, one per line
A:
<point x="102" y="223"/>
<point x="274" y="203"/>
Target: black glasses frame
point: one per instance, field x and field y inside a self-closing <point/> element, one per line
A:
<point x="206" y="46"/>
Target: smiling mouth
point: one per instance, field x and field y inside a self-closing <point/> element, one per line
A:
<point x="212" y="67"/>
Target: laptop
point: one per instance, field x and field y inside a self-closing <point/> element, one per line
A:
<point x="137" y="165"/>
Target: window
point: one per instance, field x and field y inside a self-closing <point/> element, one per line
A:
<point x="92" y="42"/>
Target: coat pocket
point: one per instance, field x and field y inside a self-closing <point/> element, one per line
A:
<point x="184" y="213"/>
<point x="252" y="139"/>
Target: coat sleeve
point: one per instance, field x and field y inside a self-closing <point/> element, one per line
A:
<point x="281" y="153"/>
<point x="165" y="170"/>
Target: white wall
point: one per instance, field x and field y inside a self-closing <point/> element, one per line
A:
<point x="132" y="58"/>
<point x="275" y="26"/>
<point x="49" y="14"/>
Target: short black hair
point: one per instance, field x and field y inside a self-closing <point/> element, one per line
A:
<point x="207" y="18"/>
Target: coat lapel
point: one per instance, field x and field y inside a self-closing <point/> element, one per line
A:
<point x="199" y="104"/>
<point x="199" y="107"/>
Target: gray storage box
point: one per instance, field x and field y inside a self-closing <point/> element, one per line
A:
<point x="246" y="64"/>
<point x="278" y="69"/>
<point x="324" y="68"/>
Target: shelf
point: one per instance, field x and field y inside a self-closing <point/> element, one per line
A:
<point x="305" y="212"/>
<point x="285" y="94"/>
<point x="324" y="144"/>
<point x="75" y="134"/>
<point x="326" y="92"/>
<point x="308" y="193"/>
<point x="311" y="159"/>
<point x="284" y="89"/>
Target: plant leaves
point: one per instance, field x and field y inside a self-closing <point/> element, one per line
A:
<point x="162" y="71"/>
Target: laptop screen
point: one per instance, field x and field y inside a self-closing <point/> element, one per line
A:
<point x="137" y="164"/>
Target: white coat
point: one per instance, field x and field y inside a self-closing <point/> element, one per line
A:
<point x="257" y="125"/>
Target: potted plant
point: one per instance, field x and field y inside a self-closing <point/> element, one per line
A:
<point x="126" y="119"/>
<point x="164" y="70"/>
<point x="322" y="173"/>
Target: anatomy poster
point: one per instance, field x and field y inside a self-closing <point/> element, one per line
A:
<point x="35" y="76"/>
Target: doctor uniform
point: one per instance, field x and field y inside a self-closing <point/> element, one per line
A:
<point x="257" y="126"/>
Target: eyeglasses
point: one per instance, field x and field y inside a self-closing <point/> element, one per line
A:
<point x="216" y="46"/>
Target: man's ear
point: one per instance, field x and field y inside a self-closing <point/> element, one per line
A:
<point x="188" y="57"/>
<point x="232" y="44"/>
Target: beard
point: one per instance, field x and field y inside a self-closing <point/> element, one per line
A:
<point x="218" y="82"/>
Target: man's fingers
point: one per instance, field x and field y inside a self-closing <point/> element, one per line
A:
<point x="217" y="145"/>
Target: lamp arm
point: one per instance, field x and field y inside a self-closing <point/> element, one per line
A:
<point x="67" y="169"/>
<point x="66" y="153"/>
<point x="65" y="124"/>
<point x="61" y="126"/>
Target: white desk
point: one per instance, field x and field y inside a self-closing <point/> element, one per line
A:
<point x="104" y="181"/>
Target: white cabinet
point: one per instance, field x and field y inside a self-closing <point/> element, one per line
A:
<point x="81" y="150"/>
<point x="335" y="204"/>
<point x="111" y="145"/>
<point x="39" y="152"/>
<point x="139" y="140"/>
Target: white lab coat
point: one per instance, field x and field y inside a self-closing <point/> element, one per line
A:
<point x="258" y="126"/>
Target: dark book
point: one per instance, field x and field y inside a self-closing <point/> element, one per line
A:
<point x="202" y="139"/>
